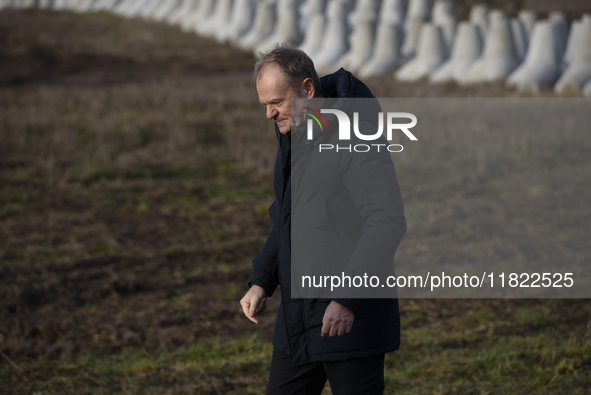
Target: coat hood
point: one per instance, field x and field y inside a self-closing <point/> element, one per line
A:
<point x="342" y="84"/>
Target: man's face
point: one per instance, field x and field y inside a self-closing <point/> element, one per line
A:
<point x="276" y="94"/>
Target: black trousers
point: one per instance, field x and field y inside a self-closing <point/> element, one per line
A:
<point x="355" y="376"/>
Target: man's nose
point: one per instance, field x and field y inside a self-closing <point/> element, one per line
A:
<point x="271" y="112"/>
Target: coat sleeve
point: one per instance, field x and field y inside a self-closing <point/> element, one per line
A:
<point x="372" y="184"/>
<point x="264" y="266"/>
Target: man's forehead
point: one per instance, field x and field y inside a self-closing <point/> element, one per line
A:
<point x="271" y="74"/>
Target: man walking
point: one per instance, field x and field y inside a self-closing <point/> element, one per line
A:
<point x="342" y="340"/>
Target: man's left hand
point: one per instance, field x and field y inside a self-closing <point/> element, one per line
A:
<point x="337" y="320"/>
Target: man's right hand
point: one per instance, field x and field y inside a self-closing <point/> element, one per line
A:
<point x="254" y="302"/>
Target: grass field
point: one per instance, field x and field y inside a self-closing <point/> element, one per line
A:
<point x="135" y="177"/>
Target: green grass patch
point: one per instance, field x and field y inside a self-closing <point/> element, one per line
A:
<point x="229" y="366"/>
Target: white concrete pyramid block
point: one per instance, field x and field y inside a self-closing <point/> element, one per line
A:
<point x="284" y="4"/>
<point x="286" y="29"/>
<point x="349" y="6"/>
<point x="70" y="5"/>
<point x="393" y="12"/>
<point x="529" y="19"/>
<point x="419" y="9"/>
<point x="58" y="5"/>
<point x="262" y="27"/>
<point x="81" y="6"/>
<point x="467" y="48"/>
<point x="561" y="21"/>
<point x="133" y="7"/>
<point x="200" y="9"/>
<point x="220" y="18"/>
<point x="309" y="9"/>
<point x="499" y="56"/>
<point x="42" y="4"/>
<point x="186" y="7"/>
<point x="200" y="17"/>
<point x="386" y="52"/>
<point x="64" y="4"/>
<point x="105" y="5"/>
<point x="496" y="16"/>
<point x="442" y="9"/>
<point x="361" y="40"/>
<point x="165" y="9"/>
<point x="119" y="8"/>
<point x="240" y="21"/>
<point x="95" y="5"/>
<point x="74" y="5"/>
<point x="315" y="30"/>
<point x="148" y="10"/>
<point x="587" y="89"/>
<point x="335" y="39"/>
<point x="541" y="67"/>
<point x="520" y="38"/>
<point x="22" y="4"/>
<point x="89" y="5"/>
<point x="431" y="54"/>
<point x="411" y="37"/>
<point x="78" y="5"/>
<point x="362" y="8"/>
<point x="155" y="9"/>
<point x="578" y="71"/>
<point x="136" y="8"/>
<point x="479" y="16"/>
<point x="558" y="17"/>
<point x="92" y="6"/>
<point x="570" y="44"/>
<point x="444" y="15"/>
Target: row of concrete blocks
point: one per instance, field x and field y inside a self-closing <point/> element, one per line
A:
<point x="372" y="37"/>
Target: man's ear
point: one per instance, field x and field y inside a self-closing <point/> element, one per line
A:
<point x="308" y="88"/>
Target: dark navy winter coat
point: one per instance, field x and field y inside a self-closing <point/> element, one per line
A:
<point x="376" y="327"/>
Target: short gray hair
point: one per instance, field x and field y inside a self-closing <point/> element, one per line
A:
<point x="293" y="63"/>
